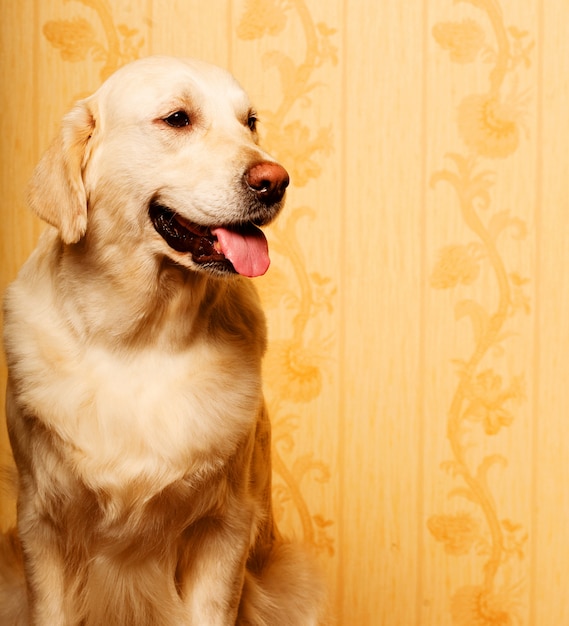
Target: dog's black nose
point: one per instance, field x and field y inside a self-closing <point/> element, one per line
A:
<point x="268" y="180"/>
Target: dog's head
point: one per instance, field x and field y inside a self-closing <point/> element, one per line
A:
<point x="166" y="154"/>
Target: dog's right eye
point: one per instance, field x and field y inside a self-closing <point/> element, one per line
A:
<point x="178" y="119"/>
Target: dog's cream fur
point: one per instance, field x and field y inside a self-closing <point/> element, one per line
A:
<point x="134" y="404"/>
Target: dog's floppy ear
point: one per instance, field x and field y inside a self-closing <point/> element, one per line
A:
<point x="56" y="192"/>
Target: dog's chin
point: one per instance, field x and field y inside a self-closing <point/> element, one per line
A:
<point x="193" y="241"/>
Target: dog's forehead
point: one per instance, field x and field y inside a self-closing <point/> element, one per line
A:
<point x="154" y="82"/>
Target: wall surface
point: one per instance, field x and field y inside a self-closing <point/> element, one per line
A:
<point x="418" y="299"/>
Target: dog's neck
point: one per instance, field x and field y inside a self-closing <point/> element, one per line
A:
<point x="134" y="302"/>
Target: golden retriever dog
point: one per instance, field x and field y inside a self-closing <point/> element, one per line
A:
<point x="134" y="339"/>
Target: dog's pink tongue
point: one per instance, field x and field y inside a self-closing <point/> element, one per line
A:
<point x="247" y="249"/>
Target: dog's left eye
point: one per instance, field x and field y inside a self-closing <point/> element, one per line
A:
<point x="179" y="119"/>
<point x="252" y="122"/>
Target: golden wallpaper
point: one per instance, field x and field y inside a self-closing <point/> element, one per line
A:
<point x="418" y="299"/>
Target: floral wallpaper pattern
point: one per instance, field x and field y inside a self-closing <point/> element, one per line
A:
<point x="76" y="39"/>
<point x="491" y="126"/>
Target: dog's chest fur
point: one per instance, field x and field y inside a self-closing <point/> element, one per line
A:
<point x="145" y="415"/>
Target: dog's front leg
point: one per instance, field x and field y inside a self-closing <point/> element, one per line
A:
<point x="44" y="569"/>
<point x="214" y="565"/>
<point x="43" y="563"/>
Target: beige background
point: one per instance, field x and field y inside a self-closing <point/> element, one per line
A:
<point x="418" y="299"/>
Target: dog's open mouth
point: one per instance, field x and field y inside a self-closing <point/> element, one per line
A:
<point x="235" y="248"/>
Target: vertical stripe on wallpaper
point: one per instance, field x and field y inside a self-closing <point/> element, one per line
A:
<point x="342" y="519"/>
<point x="533" y="555"/>
<point x="36" y="75"/>
<point x="422" y="317"/>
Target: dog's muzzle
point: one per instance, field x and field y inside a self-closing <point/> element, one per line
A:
<point x="236" y="248"/>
